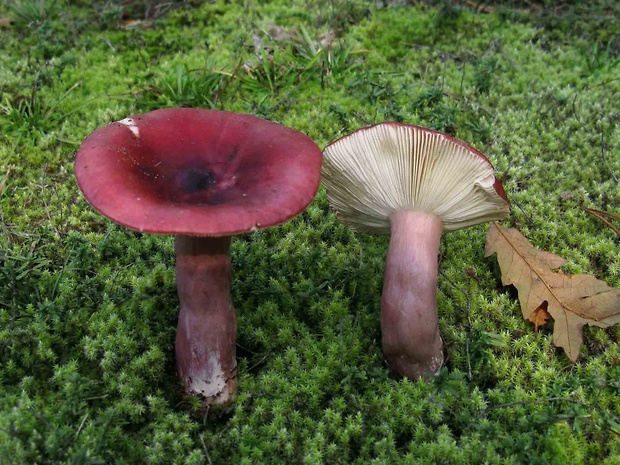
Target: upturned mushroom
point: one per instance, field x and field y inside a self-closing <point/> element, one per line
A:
<point x="411" y="183"/>
<point x="203" y="176"/>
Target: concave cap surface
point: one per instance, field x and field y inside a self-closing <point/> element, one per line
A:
<point x="376" y="171"/>
<point x="198" y="172"/>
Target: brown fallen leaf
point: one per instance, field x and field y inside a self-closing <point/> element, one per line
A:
<point x="573" y="300"/>
<point x="540" y="316"/>
<point x="280" y="34"/>
<point x="134" y="23"/>
<point x="480" y="6"/>
<point x="5" y="21"/>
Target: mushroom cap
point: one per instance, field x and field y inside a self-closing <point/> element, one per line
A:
<point x="198" y="172"/>
<point x="376" y="171"/>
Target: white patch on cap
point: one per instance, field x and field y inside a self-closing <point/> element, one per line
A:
<point x="131" y="124"/>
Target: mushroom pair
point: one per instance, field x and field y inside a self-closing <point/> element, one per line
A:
<point x="203" y="176"/>
<point x="412" y="183"/>
<point x="206" y="175"/>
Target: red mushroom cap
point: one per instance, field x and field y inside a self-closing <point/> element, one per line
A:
<point x="198" y="172"/>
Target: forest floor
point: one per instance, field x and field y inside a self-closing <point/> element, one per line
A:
<point x="88" y="309"/>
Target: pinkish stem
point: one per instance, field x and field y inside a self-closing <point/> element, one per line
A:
<point x="412" y="345"/>
<point x="205" y="343"/>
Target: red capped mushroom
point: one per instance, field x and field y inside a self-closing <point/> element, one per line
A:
<point x="203" y="176"/>
<point x="412" y="183"/>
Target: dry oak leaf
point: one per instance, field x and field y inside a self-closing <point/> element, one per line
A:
<point x="539" y="316"/>
<point x="573" y="300"/>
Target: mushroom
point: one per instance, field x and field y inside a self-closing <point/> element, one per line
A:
<point x="203" y="176"/>
<point x="411" y="183"/>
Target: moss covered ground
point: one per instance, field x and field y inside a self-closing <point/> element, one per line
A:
<point x="88" y="309"/>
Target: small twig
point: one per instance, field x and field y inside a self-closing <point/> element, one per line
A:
<point x="77" y="433"/>
<point x="227" y="81"/>
<point x="467" y="102"/>
<point x="19" y="317"/>
<point x="528" y="218"/>
<point x="40" y="417"/>
<point x="204" y="446"/>
<point x="109" y="44"/>
<point x="603" y="154"/>
<point x="574" y="106"/>
<point x="97" y="397"/>
<point x="248" y="370"/>
<point x="2" y="190"/>
<point x="461" y="99"/>
<point x="601" y="216"/>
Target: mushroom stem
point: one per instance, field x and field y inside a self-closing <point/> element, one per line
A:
<point x="205" y="343"/>
<point x="412" y="345"/>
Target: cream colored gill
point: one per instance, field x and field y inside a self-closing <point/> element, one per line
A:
<point x="376" y="171"/>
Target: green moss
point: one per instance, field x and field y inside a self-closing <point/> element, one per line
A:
<point x="88" y="309"/>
